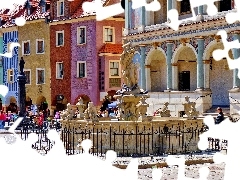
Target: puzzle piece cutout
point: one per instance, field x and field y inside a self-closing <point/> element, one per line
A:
<point x="10" y="4"/>
<point x="102" y="12"/>
<point x="228" y="131"/>
<point x="232" y="17"/>
<point x="223" y="53"/>
<point x="180" y="162"/>
<point x="173" y="13"/>
<point x="116" y="9"/>
<point x="3" y="90"/>
<point x="152" y="6"/>
<point x="10" y="50"/>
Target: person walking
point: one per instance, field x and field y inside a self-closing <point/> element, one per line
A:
<point x="40" y="120"/>
<point x="1" y="119"/>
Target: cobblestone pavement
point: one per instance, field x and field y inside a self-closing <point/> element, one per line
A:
<point x="216" y="172"/>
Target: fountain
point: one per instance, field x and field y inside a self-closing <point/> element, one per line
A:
<point x="132" y="104"/>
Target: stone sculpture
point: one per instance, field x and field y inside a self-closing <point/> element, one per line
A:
<point x="164" y="112"/>
<point x="132" y="104"/>
<point x="91" y="112"/>
<point x="190" y="109"/>
<point x="129" y="68"/>
<point x="81" y="106"/>
<point x="68" y="113"/>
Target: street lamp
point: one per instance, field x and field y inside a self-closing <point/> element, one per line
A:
<point x="22" y="90"/>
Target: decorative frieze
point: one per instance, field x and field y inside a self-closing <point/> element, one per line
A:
<point x="155" y="44"/>
<point x="186" y="34"/>
<point x="184" y="41"/>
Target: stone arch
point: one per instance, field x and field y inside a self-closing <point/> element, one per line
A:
<point x="28" y="101"/>
<point x="184" y="60"/>
<point x="220" y="77"/>
<point x="148" y="57"/>
<point x="12" y="99"/>
<point x="179" y="49"/>
<point x="86" y="99"/>
<point x="207" y="51"/>
<point x="40" y="100"/>
<point x="156" y="70"/>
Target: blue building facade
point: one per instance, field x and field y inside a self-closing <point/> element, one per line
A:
<point x="10" y="68"/>
<point x="1" y="70"/>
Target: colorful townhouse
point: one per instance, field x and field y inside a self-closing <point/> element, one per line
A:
<point x="85" y="54"/>
<point x="175" y="64"/>
<point x="60" y="54"/>
<point x="10" y="64"/>
<point x="34" y="38"/>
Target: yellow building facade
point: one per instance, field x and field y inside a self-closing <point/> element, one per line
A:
<point x="34" y="38"/>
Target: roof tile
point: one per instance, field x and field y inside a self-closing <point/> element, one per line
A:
<point x="111" y="48"/>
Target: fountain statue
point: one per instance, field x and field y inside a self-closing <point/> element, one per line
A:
<point x="91" y="113"/>
<point x="164" y="112"/>
<point x="132" y="105"/>
<point x="81" y="106"/>
<point x="68" y="113"/>
<point x="189" y="108"/>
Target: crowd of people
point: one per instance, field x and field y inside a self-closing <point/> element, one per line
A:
<point x="41" y="118"/>
<point x="106" y="110"/>
<point x="7" y="117"/>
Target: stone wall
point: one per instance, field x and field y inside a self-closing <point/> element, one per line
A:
<point x="175" y="99"/>
<point x="134" y="138"/>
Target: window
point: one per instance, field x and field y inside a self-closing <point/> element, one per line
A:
<point x="81" y="35"/>
<point x="60" y="8"/>
<point x="59" y="70"/>
<point x="40" y="46"/>
<point x="81" y="69"/>
<point x="26" y="47"/>
<point x="184" y="81"/>
<point x="114" y="68"/>
<point x="28" y="76"/>
<point x="59" y="38"/>
<point x="108" y="34"/>
<point x="185" y="6"/>
<point x="10" y="75"/>
<point x="226" y="5"/>
<point x="40" y="78"/>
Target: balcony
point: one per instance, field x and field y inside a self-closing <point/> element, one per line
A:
<point x="185" y="22"/>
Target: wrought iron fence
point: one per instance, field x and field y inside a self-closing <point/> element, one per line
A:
<point x="151" y="141"/>
<point x="155" y="141"/>
<point x="43" y="144"/>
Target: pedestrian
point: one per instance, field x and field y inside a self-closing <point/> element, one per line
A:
<point x="220" y="116"/>
<point x="1" y="119"/>
<point x="40" y="120"/>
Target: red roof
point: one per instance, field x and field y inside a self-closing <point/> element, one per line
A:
<point x="80" y="13"/>
<point x="21" y="11"/>
<point x="111" y="48"/>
